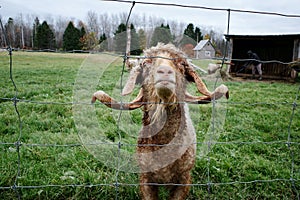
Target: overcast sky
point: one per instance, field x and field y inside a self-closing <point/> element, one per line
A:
<point x="240" y="23"/>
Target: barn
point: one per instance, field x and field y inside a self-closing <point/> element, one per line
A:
<point x="276" y="51"/>
<point x="204" y="50"/>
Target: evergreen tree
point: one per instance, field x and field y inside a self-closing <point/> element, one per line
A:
<point x="71" y="38"/>
<point x="198" y="34"/>
<point x="103" y="42"/>
<point x="35" y="27"/>
<point x="82" y="32"/>
<point x="142" y="39"/>
<point x="10" y="32"/>
<point x="44" y="37"/>
<point x="191" y="35"/>
<point x="102" y="38"/>
<point x="81" y="35"/>
<point x="121" y="40"/>
<point x="135" y="48"/>
<point x="161" y="34"/>
<point x="189" y="31"/>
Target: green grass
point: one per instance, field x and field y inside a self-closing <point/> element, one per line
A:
<point x="250" y="154"/>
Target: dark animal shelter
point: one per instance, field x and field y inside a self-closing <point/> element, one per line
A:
<point x="280" y="54"/>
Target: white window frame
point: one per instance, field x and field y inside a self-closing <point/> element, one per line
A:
<point x="207" y="54"/>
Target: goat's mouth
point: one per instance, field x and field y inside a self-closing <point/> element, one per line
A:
<point x="164" y="82"/>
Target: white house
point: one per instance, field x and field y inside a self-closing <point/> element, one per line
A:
<point x="204" y="50"/>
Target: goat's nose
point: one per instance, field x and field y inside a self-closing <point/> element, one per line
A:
<point x="165" y="70"/>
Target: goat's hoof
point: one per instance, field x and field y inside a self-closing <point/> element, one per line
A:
<point x="98" y="95"/>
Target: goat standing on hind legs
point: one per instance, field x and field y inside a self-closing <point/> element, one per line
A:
<point x="166" y="149"/>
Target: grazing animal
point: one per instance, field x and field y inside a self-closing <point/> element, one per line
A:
<point x="166" y="146"/>
<point x="212" y="68"/>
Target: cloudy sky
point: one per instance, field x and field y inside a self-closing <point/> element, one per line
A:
<point x="240" y="23"/>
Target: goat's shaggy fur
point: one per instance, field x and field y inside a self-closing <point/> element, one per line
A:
<point x="166" y="148"/>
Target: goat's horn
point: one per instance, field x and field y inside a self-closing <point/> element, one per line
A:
<point x="220" y="91"/>
<point x="199" y="83"/>
<point x="129" y="86"/>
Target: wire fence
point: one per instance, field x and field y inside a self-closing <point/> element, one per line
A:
<point x="18" y="144"/>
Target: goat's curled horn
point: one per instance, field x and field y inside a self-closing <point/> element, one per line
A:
<point x="129" y="86"/>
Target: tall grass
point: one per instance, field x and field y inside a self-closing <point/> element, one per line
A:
<point x="250" y="161"/>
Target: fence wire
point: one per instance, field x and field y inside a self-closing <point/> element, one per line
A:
<point x="18" y="144"/>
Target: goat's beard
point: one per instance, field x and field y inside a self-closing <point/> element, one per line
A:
<point x="165" y="94"/>
<point x="159" y="108"/>
<point x="165" y="90"/>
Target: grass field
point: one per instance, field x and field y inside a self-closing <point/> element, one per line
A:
<point x="251" y="160"/>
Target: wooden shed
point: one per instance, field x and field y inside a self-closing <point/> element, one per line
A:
<point x="204" y="50"/>
<point x="276" y="51"/>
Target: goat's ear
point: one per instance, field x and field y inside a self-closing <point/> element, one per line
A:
<point x="192" y="76"/>
<point x="129" y="86"/>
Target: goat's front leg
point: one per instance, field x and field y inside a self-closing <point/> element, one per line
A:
<point x="148" y="192"/>
<point x="112" y="103"/>
<point x="219" y="92"/>
<point x="180" y="192"/>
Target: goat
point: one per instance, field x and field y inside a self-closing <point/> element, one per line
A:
<point x="166" y="146"/>
<point x="212" y="68"/>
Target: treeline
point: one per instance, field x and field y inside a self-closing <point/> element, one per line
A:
<point x="101" y="32"/>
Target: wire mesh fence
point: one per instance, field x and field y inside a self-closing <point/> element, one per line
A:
<point x="207" y="163"/>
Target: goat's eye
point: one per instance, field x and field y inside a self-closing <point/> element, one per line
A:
<point x="160" y="71"/>
<point x="170" y="72"/>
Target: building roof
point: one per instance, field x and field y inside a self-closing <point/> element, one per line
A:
<point x="200" y="45"/>
<point x="284" y="36"/>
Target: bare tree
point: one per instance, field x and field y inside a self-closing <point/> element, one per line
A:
<point x="144" y="22"/>
<point x="60" y="26"/>
<point x="10" y="32"/>
<point x="123" y="17"/>
<point x="2" y="34"/>
<point x="114" y="22"/>
<point x="19" y="32"/>
<point x="176" y="27"/>
<point x="105" y="24"/>
<point x="28" y="32"/>
<point x="92" y="23"/>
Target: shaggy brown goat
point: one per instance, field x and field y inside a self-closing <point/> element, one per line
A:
<point x="166" y="147"/>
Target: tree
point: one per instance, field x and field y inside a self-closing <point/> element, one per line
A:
<point x="71" y="38"/>
<point x="161" y="34"/>
<point x="89" y="41"/>
<point x="10" y="32"/>
<point x="189" y="31"/>
<point x="44" y="37"/>
<point x="142" y="39"/>
<point x="103" y="42"/>
<point x="191" y="35"/>
<point x="60" y="27"/>
<point x="82" y="31"/>
<point x="19" y="31"/>
<point x="16" y="33"/>
<point x="105" y="23"/>
<point x="135" y="48"/>
<point x="121" y="40"/>
<point x="27" y="29"/>
<point x="81" y="35"/>
<point x="2" y="35"/>
<point x="198" y="34"/>
<point x="36" y="24"/>
<point x="92" y="22"/>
